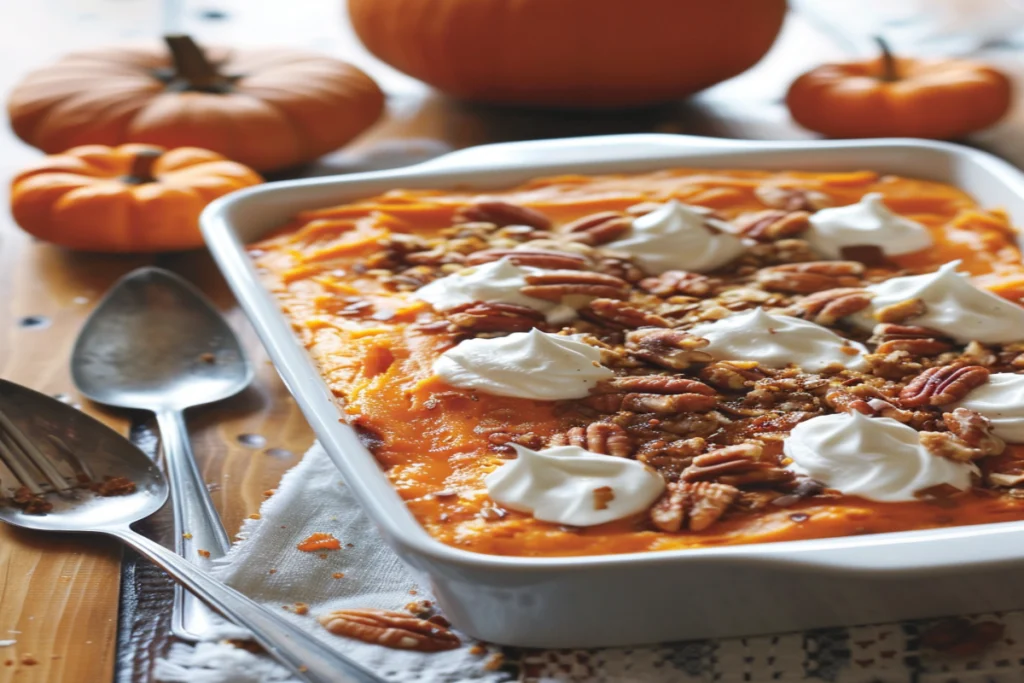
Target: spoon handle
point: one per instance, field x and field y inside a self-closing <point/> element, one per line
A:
<point x="197" y="524"/>
<point x="299" y="651"/>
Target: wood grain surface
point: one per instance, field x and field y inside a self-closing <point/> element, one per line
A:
<point x="59" y="596"/>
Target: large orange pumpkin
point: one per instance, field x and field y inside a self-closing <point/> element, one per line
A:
<point x="132" y="198"/>
<point x="266" y="108"/>
<point x="571" y="53"/>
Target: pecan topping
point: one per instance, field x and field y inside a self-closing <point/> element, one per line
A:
<point x="673" y="282"/>
<point x="791" y="198"/>
<point x="605" y="438"/>
<point x="916" y="340"/>
<point x="737" y="465"/>
<point x="668" y="404"/>
<point x="481" y="316"/>
<point x="975" y="430"/>
<point x="602" y="496"/>
<point x="732" y="375"/>
<point x="699" y="505"/>
<point x="900" y="311"/>
<point x="538" y="258"/>
<point x="941" y="385"/>
<point x="555" y="284"/>
<point x="390" y="629"/>
<point x="502" y="213"/>
<point x="670" y="458"/>
<point x="810" y="277"/>
<point x="829" y="306"/>
<point x="621" y="314"/>
<point x="771" y="225"/>
<point x="599" y="228"/>
<point x="672" y="349"/>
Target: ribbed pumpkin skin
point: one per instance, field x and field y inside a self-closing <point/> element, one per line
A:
<point x="569" y="53"/>
<point x="287" y="107"/>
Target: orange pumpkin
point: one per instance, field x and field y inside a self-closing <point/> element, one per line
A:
<point x="569" y="53"/>
<point x="132" y="198"/>
<point x="267" y="108"/>
<point x="892" y="97"/>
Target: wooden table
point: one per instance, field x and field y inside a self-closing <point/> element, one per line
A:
<point x="59" y="597"/>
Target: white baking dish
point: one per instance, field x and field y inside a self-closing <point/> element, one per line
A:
<point x="641" y="597"/>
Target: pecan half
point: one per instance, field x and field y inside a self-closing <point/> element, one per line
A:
<point x="773" y="224"/>
<point x="914" y="339"/>
<point x="673" y="282"/>
<point x="901" y="311"/>
<point x="660" y="384"/>
<point x="604" y="438"/>
<point x="482" y="316"/>
<point x="791" y="198"/>
<point x="390" y="629"/>
<point x="975" y="430"/>
<point x="672" y="349"/>
<point x="621" y="314"/>
<point x="699" y="505"/>
<point x="829" y="306"/>
<point x="555" y="284"/>
<point x="949" y="446"/>
<point x="942" y="385"/>
<point x="737" y="465"/>
<point x="732" y="375"/>
<point x="538" y="258"/>
<point x="810" y="277"/>
<point x="669" y="404"/>
<point x="502" y="213"/>
<point x="599" y="228"/>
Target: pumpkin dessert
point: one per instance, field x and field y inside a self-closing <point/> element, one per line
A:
<point x="678" y="359"/>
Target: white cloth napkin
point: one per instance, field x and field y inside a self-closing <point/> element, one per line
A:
<point x="311" y="498"/>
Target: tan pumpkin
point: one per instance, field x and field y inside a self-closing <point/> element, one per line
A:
<point x="132" y="198"/>
<point x="266" y="108"/>
<point x="569" y="53"/>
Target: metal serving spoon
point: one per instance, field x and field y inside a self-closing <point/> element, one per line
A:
<point x="155" y="343"/>
<point x="42" y="439"/>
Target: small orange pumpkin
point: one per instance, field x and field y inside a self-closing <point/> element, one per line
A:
<point x="939" y="99"/>
<point x="267" y="108"/>
<point x="132" y="198"/>
<point x="569" y="53"/>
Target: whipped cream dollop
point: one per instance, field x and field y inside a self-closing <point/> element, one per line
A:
<point x="534" y="364"/>
<point x="868" y="222"/>
<point x="677" y="236"/>
<point x="495" y="282"/>
<point x="876" y="458"/>
<point x="777" y="341"/>
<point x="1001" y="400"/>
<point x="953" y="305"/>
<point x="570" y="485"/>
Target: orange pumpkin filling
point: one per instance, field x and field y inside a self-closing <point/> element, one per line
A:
<point x="344" y="275"/>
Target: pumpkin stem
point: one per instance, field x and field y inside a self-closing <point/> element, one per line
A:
<point x="142" y="167"/>
<point x="192" y="70"/>
<point x="889" y="71"/>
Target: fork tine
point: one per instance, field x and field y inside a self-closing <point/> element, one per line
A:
<point x="34" y="455"/>
<point x="13" y="459"/>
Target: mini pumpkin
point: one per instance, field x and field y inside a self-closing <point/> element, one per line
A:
<point x="940" y="99"/>
<point x="131" y="198"/>
<point x="569" y="53"/>
<point x="267" y="108"/>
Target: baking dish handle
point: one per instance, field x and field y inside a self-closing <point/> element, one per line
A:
<point x="575" y="150"/>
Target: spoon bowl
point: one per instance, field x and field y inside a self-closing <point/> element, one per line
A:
<point x="155" y="343"/>
<point x="71" y="439"/>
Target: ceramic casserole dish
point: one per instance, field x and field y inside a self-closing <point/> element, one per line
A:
<point x="656" y="596"/>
